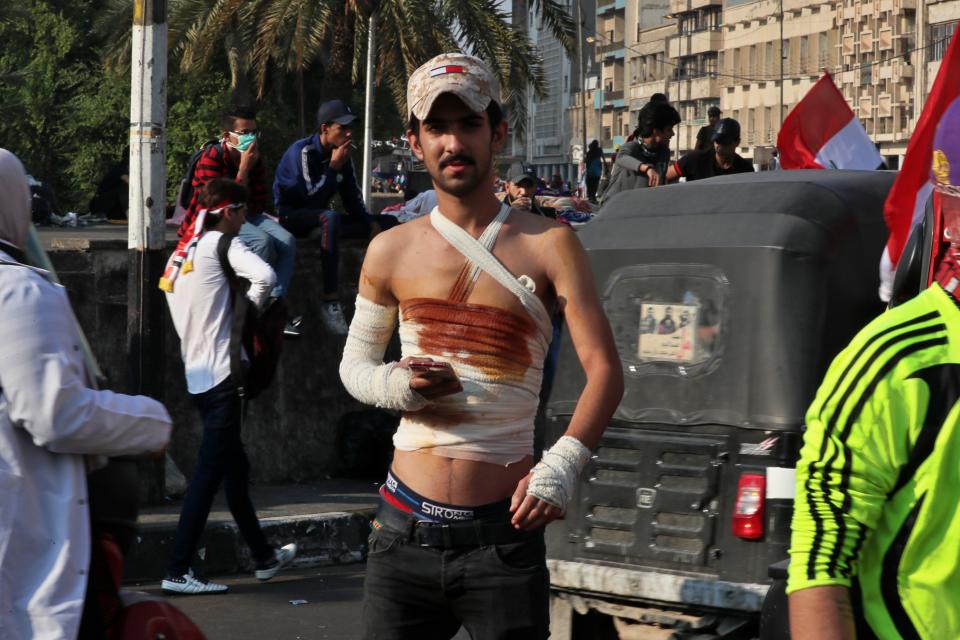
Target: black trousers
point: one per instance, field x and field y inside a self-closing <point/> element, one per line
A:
<point x="497" y="591"/>
<point x="221" y="459"/>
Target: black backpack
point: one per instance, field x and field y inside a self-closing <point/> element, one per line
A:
<point x="259" y="334"/>
<point x="186" y="184"/>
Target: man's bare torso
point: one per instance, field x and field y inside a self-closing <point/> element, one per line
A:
<point x="421" y="264"/>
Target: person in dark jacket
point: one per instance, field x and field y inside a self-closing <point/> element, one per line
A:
<point x="311" y="172"/>
<point x="643" y="162"/>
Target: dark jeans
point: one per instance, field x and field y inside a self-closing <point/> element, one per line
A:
<point x="328" y="227"/>
<point x="592" y="183"/>
<point x="221" y="458"/>
<point x="497" y="592"/>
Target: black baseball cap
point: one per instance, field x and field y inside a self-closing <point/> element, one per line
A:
<point x="335" y="111"/>
<point x="523" y="175"/>
<point x="727" y="131"/>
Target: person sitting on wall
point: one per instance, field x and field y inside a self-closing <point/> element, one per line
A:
<point x="310" y="173"/>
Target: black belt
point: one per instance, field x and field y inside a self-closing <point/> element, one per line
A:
<point x="468" y="533"/>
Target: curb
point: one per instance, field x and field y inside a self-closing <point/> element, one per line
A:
<point x="323" y="539"/>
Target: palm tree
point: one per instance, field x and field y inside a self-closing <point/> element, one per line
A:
<point x="265" y="37"/>
<point x="409" y="32"/>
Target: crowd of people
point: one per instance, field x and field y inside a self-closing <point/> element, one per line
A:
<point x="463" y="496"/>
<point x="475" y="285"/>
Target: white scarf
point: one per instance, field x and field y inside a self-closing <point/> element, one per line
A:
<point x="14" y="200"/>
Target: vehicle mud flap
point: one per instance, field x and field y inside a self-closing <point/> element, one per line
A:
<point x="775" y="616"/>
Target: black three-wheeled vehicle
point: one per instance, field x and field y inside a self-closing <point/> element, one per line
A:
<point x="728" y="299"/>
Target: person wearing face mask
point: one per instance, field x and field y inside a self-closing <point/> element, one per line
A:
<point x="643" y="162"/>
<point x="237" y="157"/>
<point x="55" y="427"/>
<point x="310" y="173"/>
<point x="876" y="520"/>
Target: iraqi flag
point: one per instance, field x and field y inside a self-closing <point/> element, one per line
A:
<point x="821" y="132"/>
<point x="907" y="200"/>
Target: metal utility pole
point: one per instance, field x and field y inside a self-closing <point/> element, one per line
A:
<point x="146" y="241"/>
<point x="368" y="109"/>
<point x="583" y="90"/>
<point x="781" y="64"/>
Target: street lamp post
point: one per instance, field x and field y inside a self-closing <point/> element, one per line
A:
<point x="368" y="108"/>
<point x="583" y="91"/>
<point x="781" y="62"/>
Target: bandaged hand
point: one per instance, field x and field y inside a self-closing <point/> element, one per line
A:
<point x="554" y="478"/>
<point x="362" y="370"/>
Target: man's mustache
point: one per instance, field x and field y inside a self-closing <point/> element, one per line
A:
<point x="446" y="162"/>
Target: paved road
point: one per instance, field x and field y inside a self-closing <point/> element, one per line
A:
<point x="255" y="611"/>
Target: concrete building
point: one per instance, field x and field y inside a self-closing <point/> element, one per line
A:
<point x="620" y="37"/>
<point x="694" y="53"/>
<point x="547" y="146"/>
<point x="938" y="20"/>
<point x="756" y="59"/>
<point x="878" y="41"/>
<point x="755" y="38"/>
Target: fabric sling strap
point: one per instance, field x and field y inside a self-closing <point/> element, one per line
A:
<point x="470" y="272"/>
<point x="484" y="260"/>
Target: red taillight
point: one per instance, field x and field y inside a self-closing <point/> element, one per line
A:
<point x="748" y="512"/>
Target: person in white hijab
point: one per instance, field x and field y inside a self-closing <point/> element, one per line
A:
<point x="54" y="426"/>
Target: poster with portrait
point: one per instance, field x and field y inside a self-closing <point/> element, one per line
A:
<point x="667" y="332"/>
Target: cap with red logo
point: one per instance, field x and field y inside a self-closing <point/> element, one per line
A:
<point x="464" y="76"/>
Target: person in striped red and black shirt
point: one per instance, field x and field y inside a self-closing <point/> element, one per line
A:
<point x="237" y="157"/>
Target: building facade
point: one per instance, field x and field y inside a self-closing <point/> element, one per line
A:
<point x="756" y="59"/>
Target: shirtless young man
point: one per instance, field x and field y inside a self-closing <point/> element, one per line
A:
<point x="458" y="538"/>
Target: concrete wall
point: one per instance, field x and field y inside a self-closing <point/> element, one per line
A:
<point x="305" y="427"/>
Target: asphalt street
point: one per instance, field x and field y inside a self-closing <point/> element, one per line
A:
<point x="264" y="611"/>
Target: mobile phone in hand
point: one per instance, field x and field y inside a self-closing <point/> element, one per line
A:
<point x="432" y="368"/>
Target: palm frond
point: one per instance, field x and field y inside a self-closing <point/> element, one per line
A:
<point x="561" y="24"/>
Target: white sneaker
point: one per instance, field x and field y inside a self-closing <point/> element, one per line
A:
<point x="331" y="313"/>
<point x="189" y="584"/>
<point x="281" y="558"/>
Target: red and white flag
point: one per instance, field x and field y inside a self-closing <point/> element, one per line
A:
<point x="908" y="197"/>
<point x="822" y="132"/>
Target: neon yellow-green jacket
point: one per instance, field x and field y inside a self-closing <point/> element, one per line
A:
<point x="878" y="480"/>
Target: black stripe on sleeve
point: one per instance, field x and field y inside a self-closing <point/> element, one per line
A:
<point x="854" y="415"/>
<point x="888" y="576"/>
<point x="831" y="425"/>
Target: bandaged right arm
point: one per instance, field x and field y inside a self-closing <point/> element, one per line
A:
<point x="362" y="369"/>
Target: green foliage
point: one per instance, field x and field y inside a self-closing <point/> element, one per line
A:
<point x="64" y="72"/>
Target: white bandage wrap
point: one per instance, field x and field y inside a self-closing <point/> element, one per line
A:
<point x="362" y="370"/>
<point x="555" y="476"/>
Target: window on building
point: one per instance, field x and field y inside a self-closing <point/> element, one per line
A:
<point x="866" y="70"/>
<point x="824" y="49"/>
<point x="752" y="70"/>
<point x="736" y="62"/>
<point x="713" y="16"/>
<point x="940" y="35"/>
<point x="769" y="58"/>
<point x="804" y="53"/>
<point x="710" y="64"/>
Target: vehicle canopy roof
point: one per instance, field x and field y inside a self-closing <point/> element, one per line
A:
<point x="764" y="277"/>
